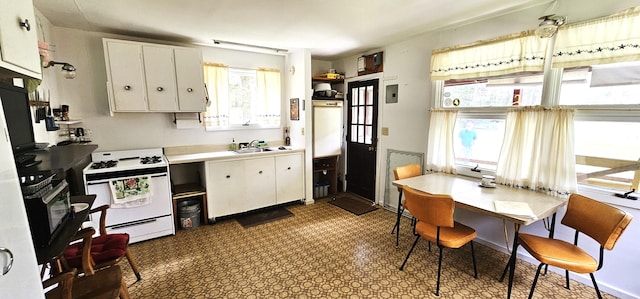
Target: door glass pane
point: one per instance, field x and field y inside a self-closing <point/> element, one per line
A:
<point x="354" y="96"/>
<point x="367" y="135"/>
<point x="354" y="133"/>
<point x="354" y="115"/>
<point x="368" y="119"/>
<point x="361" y="115"/>
<point x="361" y="95"/>
<point x="369" y="98"/>
<point x="360" y="134"/>
<point x="478" y="141"/>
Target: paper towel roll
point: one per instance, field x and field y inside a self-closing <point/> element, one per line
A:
<point x="188" y="124"/>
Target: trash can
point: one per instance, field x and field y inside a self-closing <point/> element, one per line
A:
<point x="189" y="213"/>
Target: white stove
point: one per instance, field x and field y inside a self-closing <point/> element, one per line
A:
<point x="146" y="218"/>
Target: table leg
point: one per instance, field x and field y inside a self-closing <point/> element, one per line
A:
<point x="396" y="227"/>
<point x="511" y="264"/>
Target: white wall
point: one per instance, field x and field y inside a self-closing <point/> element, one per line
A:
<point x="407" y="64"/>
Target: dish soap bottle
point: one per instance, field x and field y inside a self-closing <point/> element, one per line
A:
<point x="233" y="146"/>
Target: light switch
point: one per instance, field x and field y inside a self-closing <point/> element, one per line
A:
<point x="385" y="131"/>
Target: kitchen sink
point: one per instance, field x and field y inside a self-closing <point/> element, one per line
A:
<point x="252" y="150"/>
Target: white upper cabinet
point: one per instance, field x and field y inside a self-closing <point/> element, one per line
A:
<point x="160" y="73"/>
<point x="145" y="77"/>
<point x="19" y="55"/>
<point x="190" y="78"/>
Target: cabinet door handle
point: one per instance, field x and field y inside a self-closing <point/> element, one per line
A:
<point x="159" y="88"/>
<point x="26" y="24"/>
<point x="189" y="89"/>
<point x="228" y="176"/>
<point x="260" y="172"/>
<point x="7" y="267"/>
<point x="127" y="87"/>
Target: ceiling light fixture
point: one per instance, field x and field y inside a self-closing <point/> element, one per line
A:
<point x="68" y="70"/>
<point x="247" y="47"/>
<point x="549" y="25"/>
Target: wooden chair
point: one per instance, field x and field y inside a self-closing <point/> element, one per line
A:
<point x="105" y="250"/>
<point x="434" y="214"/>
<point x="403" y="172"/>
<point x="603" y="223"/>
<point x="103" y="284"/>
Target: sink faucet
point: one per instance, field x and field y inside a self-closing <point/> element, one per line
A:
<point x="253" y="143"/>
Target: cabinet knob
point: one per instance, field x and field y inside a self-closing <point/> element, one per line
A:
<point x="127" y="87"/>
<point x="189" y="89"/>
<point x="228" y="176"/>
<point x="26" y="24"/>
<point x="260" y="172"/>
<point x="159" y="88"/>
<point x="289" y="168"/>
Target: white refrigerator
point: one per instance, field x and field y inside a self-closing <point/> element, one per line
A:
<point x="327" y="128"/>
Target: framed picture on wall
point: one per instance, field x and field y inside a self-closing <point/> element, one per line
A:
<point x="295" y="108"/>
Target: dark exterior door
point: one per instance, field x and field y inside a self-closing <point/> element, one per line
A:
<point x="362" y="124"/>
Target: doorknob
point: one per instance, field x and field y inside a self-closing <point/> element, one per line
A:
<point x="7" y="267"/>
<point x="371" y="148"/>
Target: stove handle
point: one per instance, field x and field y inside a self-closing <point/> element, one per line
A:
<point x="100" y="182"/>
<point x="134" y="223"/>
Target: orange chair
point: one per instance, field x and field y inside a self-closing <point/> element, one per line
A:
<point x="603" y="223"/>
<point x="99" y="252"/>
<point x="403" y="172"/>
<point x="434" y="214"/>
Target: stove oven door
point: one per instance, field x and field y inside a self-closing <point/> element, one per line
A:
<point x="141" y="223"/>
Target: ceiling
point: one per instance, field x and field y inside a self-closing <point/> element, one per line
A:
<point x="330" y="29"/>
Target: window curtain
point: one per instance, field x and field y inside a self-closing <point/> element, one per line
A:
<point x="268" y="108"/>
<point x="440" y="154"/>
<point x="514" y="53"/>
<point x="216" y="77"/>
<point x="538" y="151"/>
<point x="610" y="39"/>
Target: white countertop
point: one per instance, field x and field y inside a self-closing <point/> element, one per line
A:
<point x="178" y="158"/>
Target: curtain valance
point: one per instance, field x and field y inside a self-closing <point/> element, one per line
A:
<point x="520" y="52"/>
<point x="610" y="39"/>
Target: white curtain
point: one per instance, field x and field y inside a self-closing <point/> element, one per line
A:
<point x="440" y="154"/>
<point x="514" y="53"/>
<point x="538" y="151"/>
<point x="269" y="107"/>
<point x="610" y="39"/>
<point x="216" y="77"/>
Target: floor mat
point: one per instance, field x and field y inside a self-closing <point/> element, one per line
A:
<point x="263" y="217"/>
<point x="352" y="204"/>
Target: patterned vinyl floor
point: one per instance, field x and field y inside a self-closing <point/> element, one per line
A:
<point x="323" y="252"/>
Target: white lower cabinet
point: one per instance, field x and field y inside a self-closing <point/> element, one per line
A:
<point x="241" y="185"/>
<point x="289" y="178"/>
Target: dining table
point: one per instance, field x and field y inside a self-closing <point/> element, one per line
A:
<point x="517" y="205"/>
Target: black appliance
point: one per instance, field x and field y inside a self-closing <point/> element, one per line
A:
<point x="48" y="209"/>
<point x="17" y="112"/>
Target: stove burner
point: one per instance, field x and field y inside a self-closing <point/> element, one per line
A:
<point x="151" y="160"/>
<point x="104" y="164"/>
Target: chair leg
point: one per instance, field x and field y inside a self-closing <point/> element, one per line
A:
<point x="408" y="254"/>
<point x="535" y="280"/>
<point x="473" y="257"/>
<point x="595" y="285"/>
<point x="124" y="290"/>
<point x="439" y="270"/>
<point x="566" y="277"/>
<point x="133" y="264"/>
<point x="396" y="226"/>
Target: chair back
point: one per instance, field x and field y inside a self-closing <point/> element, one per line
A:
<point x="434" y="209"/>
<point x="407" y="171"/>
<point x="600" y="221"/>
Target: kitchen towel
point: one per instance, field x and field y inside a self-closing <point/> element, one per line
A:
<point x="187" y="120"/>
<point x="130" y="192"/>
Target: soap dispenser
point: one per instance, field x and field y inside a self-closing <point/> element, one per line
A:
<point x="233" y="146"/>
